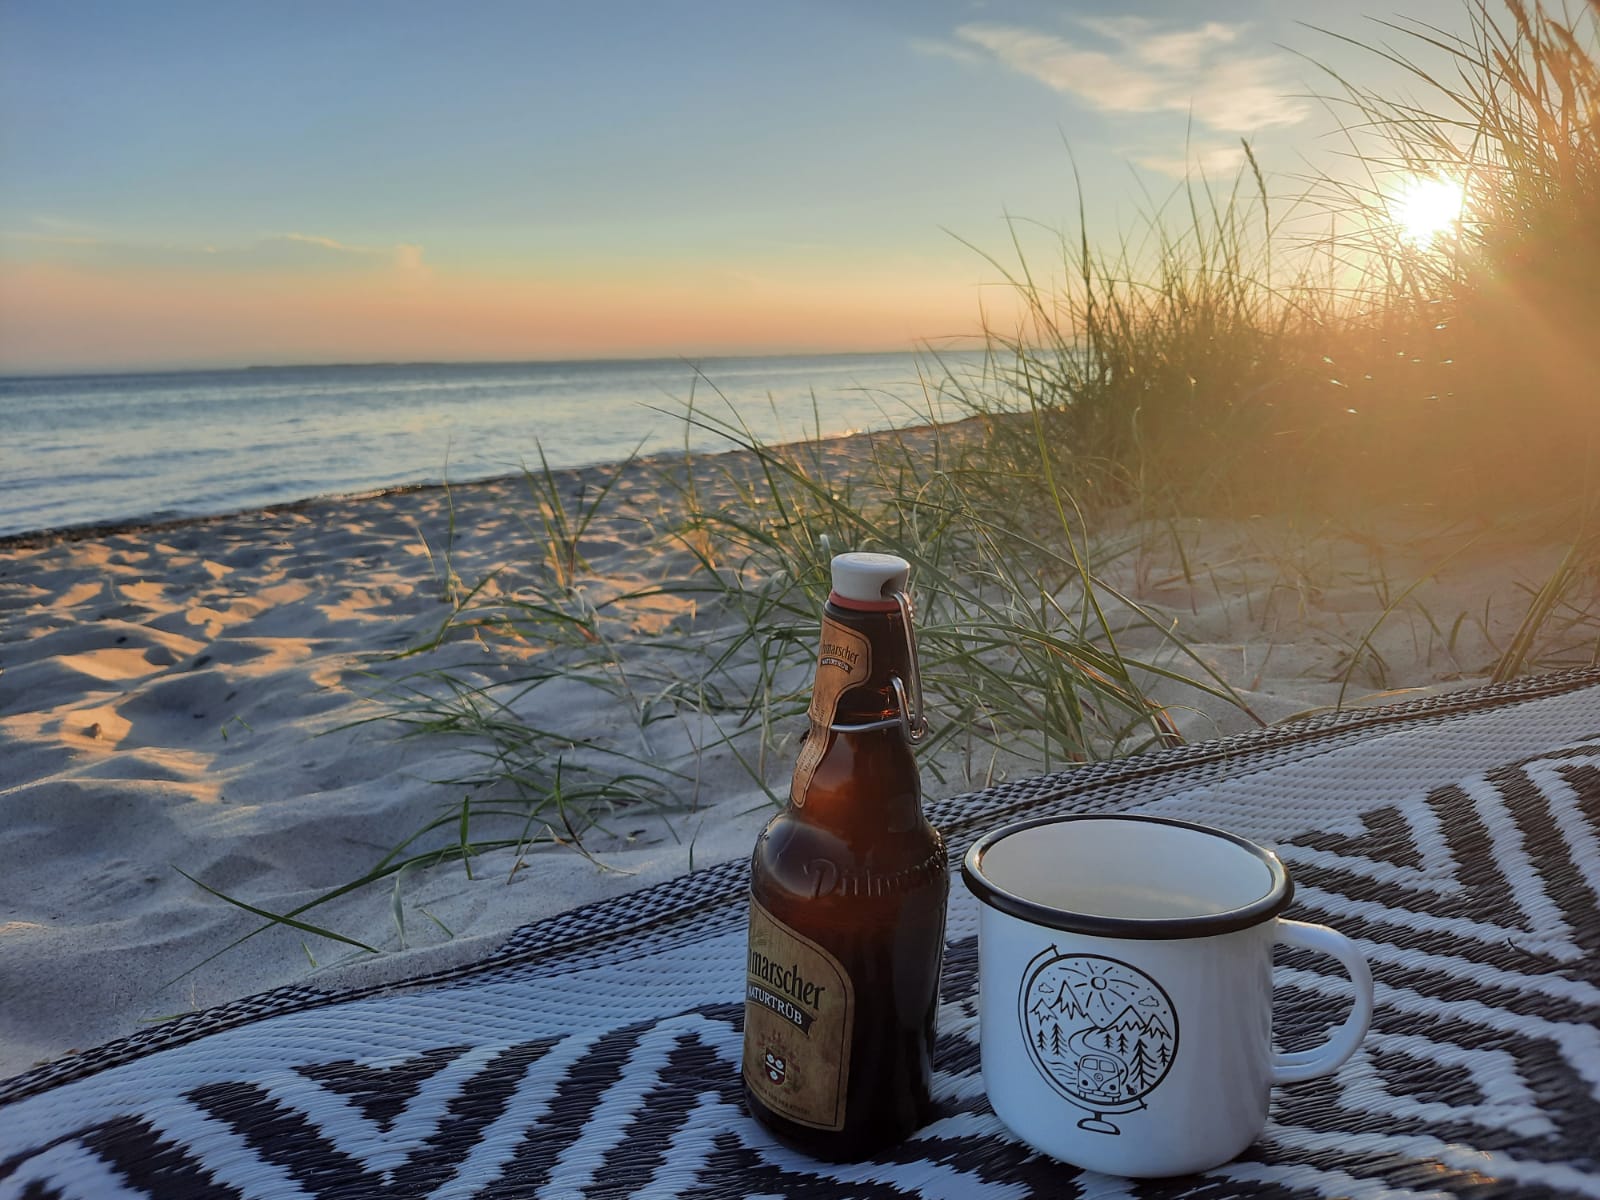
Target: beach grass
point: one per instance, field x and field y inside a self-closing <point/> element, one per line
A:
<point x="1220" y="361"/>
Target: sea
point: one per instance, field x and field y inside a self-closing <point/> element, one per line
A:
<point x="78" y="450"/>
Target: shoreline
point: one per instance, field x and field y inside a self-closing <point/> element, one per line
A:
<point x="33" y="539"/>
<point x="206" y="697"/>
<point x="37" y="538"/>
<point x="585" y="412"/>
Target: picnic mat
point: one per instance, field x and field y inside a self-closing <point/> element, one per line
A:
<point x="597" y="1053"/>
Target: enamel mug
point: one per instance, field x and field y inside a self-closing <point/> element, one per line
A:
<point x="1125" y="989"/>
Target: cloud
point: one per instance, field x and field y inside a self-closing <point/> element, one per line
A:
<point x="408" y="260"/>
<point x="50" y="239"/>
<point x="1091" y="74"/>
<point x="1244" y="95"/>
<point x="310" y="249"/>
<point x="304" y="250"/>
<point x="325" y="242"/>
<point x="938" y="48"/>
<point x="1210" y="161"/>
<point x="278" y="252"/>
<point x="1149" y="69"/>
<point x="1183" y="49"/>
<point x="64" y="225"/>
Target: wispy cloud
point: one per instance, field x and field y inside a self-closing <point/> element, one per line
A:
<point x="939" y="48"/>
<point x="49" y="239"/>
<point x="308" y="248"/>
<point x="327" y="243"/>
<point x="1211" y="161"/>
<point x="276" y="252"/>
<point x="51" y="223"/>
<point x="1180" y="49"/>
<point x="408" y="260"/>
<point x="1148" y="68"/>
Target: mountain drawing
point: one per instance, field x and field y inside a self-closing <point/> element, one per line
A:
<point x="1103" y="1032"/>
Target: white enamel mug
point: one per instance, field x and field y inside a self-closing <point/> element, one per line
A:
<point x="1125" y="989"/>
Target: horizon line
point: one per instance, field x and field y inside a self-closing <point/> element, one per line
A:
<point x="101" y="372"/>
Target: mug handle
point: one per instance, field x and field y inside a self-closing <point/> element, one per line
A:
<point x="1327" y="1058"/>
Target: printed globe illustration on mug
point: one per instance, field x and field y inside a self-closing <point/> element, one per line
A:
<point x="1101" y="1032"/>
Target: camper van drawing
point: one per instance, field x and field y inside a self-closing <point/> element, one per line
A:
<point x="1100" y="1077"/>
<point x="1101" y="1032"/>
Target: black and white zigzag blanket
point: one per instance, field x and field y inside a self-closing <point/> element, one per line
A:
<point x="596" y="1054"/>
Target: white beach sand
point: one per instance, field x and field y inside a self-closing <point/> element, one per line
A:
<point x="180" y="699"/>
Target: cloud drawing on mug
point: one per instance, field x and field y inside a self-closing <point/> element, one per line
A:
<point x="1101" y="1032"/>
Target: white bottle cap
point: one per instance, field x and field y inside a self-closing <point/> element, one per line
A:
<point x="869" y="578"/>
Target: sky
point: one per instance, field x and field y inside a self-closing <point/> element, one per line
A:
<point x="219" y="184"/>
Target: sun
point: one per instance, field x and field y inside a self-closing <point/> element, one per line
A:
<point x="1426" y="208"/>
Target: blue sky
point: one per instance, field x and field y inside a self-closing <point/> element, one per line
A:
<point x="186" y="183"/>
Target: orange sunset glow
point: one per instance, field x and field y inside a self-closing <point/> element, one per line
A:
<point x="68" y="315"/>
<point x="505" y="183"/>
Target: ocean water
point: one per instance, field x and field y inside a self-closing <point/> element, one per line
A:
<point x="85" y="449"/>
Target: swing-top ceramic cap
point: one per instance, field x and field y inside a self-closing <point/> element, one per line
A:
<point x="869" y="578"/>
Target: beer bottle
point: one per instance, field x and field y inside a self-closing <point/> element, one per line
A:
<point x="847" y="894"/>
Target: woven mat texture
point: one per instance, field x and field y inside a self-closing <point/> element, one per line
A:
<point x="596" y="1054"/>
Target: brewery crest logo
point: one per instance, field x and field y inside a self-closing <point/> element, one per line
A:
<point x="777" y="1068"/>
<point x="1101" y="1032"/>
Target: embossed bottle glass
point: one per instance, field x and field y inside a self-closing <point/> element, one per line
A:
<point x="848" y="887"/>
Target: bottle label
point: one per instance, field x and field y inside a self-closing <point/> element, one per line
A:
<point x="844" y="661"/>
<point x="799" y="1010"/>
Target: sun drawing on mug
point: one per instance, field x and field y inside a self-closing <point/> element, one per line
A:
<point x="1102" y="1033"/>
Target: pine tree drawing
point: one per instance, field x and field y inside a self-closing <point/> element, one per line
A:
<point x="1144" y="1068"/>
<point x="1122" y="1043"/>
<point x="1163" y="1055"/>
<point x="1055" y="1039"/>
<point x="1041" y="1039"/>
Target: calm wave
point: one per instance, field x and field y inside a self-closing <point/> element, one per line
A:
<point x="85" y="449"/>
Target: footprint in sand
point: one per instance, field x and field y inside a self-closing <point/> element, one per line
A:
<point x="79" y="594"/>
<point x="155" y="765"/>
<point x="78" y="660"/>
<point x="176" y="709"/>
<point x="143" y="592"/>
<point x="102" y="724"/>
<point x="117" y="883"/>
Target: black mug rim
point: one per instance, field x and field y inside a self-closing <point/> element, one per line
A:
<point x="1266" y="907"/>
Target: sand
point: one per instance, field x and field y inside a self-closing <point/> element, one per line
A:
<point x="196" y="700"/>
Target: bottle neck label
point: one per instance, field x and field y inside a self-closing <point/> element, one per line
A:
<point x="844" y="661"/>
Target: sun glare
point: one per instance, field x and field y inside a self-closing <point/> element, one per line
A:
<point x="1426" y="208"/>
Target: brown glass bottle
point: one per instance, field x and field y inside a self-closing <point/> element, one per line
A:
<point x="848" y="887"/>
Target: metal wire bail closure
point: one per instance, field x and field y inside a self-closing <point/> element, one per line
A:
<point x="913" y="717"/>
